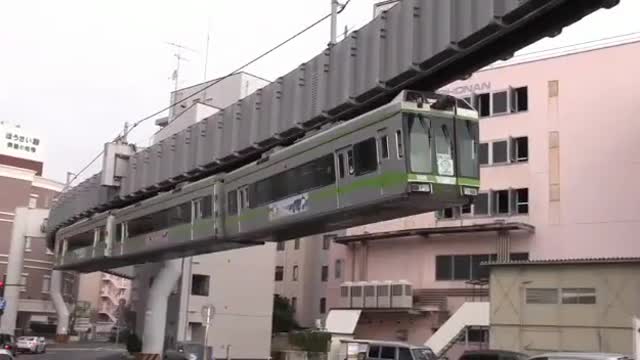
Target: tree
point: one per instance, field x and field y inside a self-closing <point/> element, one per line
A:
<point x="283" y="315"/>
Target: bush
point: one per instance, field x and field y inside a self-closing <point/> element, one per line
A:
<point x="311" y="340"/>
<point x="134" y="344"/>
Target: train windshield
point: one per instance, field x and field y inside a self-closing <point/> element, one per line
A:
<point x="468" y="142"/>
<point x="431" y="145"/>
<point x="420" y="157"/>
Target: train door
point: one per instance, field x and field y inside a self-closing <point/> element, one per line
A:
<point x="344" y="175"/>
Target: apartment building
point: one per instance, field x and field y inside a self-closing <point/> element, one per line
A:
<point x="559" y="154"/>
<point x="302" y="275"/>
<point x="22" y="185"/>
<point x="105" y="293"/>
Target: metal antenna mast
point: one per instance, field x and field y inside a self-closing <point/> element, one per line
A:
<point x="178" y="54"/>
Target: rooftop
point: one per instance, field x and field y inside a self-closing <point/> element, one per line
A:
<point x="578" y="261"/>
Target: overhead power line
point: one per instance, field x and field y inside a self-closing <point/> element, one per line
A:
<point x="124" y="134"/>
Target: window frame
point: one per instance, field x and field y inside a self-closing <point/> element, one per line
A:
<point x="507" y="107"/>
<point x="383" y="140"/>
<point x="324" y="273"/>
<point x="338" y="269"/>
<point x="506" y="154"/>
<point x="295" y="273"/>
<point x="323" y="305"/>
<point x="488" y="208"/>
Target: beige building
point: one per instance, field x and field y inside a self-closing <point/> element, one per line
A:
<point x="104" y="292"/>
<point x="565" y="305"/>
<point x="302" y="275"/>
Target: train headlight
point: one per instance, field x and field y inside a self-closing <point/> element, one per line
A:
<point x="420" y="188"/>
<point x="469" y="191"/>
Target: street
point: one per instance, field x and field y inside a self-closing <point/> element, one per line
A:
<point x="76" y="354"/>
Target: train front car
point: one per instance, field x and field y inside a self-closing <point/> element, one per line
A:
<point x="416" y="154"/>
<point x="442" y="149"/>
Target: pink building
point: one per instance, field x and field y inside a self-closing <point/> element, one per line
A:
<point x="559" y="151"/>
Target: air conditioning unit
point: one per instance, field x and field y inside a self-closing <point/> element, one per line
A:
<point x="357" y="298"/>
<point x="345" y="294"/>
<point x="383" y="293"/>
<point x="370" y="297"/>
<point x="401" y="294"/>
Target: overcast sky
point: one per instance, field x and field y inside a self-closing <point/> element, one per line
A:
<point x="74" y="71"/>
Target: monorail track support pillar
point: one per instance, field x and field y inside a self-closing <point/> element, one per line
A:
<point x="155" y="317"/>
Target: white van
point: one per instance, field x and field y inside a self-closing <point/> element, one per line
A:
<point x="357" y="349"/>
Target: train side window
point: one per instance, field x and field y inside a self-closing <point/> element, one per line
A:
<point x="350" y="161"/>
<point x="399" y="147"/>
<point x="341" y="165"/>
<point x="243" y="197"/>
<point x="366" y="156"/>
<point x="232" y="202"/>
<point x="384" y="147"/>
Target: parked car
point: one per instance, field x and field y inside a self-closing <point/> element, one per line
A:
<point x="32" y="344"/>
<point x="8" y="342"/>
<point x="389" y="350"/>
<point x="579" y="356"/>
<point x="492" y="355"/>
<point x="6" y="355"/>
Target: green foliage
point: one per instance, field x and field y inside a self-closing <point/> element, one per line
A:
<point x="311" y="340"/>
<point x="283" y="316"/>
<point x="134" y="344"/>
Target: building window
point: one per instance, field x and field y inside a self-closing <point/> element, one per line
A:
<point x="200" y="285"/>
<point x="296" y="244"/>
<point x="483" y="154"/>
<point x="444" y="268"/>
<point x="461" y="267"/>
<point x="579" y="296"/>
<point x="483" y="104"/>
<point x="23" y="282"/>
<point x="33" y="201"/>
<point x="279" y="273"/>
<point x="294" y="274"/>
<point x="522" y="201"/>
<point x="481" y="204"/>
<point x="384" y="147"/>
<point x="280" y="246"/>
<point x="499" y="152"/>
<point x="448" y="213"/>
<point x="341" y="165"/>
<point x="465" y="209"/>
<point x="520" y="149"/>
<point x="366" y="157"/>
<point x="326" y="241"/>
<point x="519" y="99"/>
<point x="540" y="296"/>
<point x="323" y="305"/>
<point x="499" y="102"/>
<point x="338" y="269"/>
<point x="501" y="202"/>
<point x="324" y="273"/>
<point x="27" y="244"/>
<point x="519" y="256"/>
<point x="479" y="272"/>
<point x="46" y="284"/>
<point x="294" y="304"/>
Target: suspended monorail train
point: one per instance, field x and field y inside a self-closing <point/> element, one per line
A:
<point x="416" y="154"/>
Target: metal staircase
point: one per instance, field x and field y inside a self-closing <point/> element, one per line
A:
<point x="470" y="314"/>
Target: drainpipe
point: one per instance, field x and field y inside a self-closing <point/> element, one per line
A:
<point x="155" y="317"/>
<point x="62" y="330"/>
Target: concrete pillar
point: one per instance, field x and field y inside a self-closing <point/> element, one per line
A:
<point x="185" y="292"/>
<point x="62" y="330"/>
<point x="155" y="317"/>
<point x="14" y="270"/>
